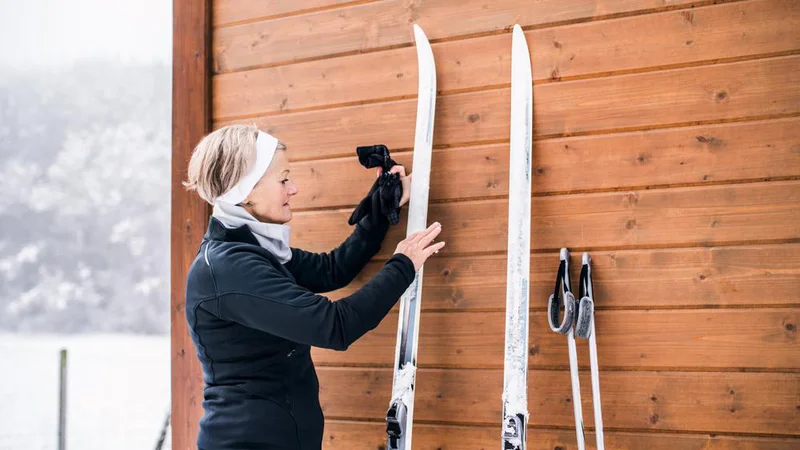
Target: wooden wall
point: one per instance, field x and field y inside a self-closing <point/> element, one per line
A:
<point x="667" y="143"/>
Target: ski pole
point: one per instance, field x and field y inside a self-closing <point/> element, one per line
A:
<point x="584" y="328"/>
<point x="563" y="294"/>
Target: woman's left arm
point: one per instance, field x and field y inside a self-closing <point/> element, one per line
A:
<point x="325" y="272"/>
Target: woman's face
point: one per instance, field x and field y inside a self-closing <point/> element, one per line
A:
<point x="269" y="200"/>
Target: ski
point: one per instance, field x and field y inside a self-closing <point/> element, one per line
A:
<point x="515" y="383"/>
<point x="584" y="329"/>
<point x="562" y="296"/>
<point x="400" y="416"/>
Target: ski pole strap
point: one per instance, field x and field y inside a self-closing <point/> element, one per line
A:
<point x="583" y="289"/>
<point x="555" y="301"/>
<point x="585" y="309"/>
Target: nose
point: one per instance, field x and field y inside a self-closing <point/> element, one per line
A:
<point x="292" y="188"/>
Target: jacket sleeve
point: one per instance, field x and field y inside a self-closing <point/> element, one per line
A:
<point x="325" y="272"/>
<point x="278" y="306"/>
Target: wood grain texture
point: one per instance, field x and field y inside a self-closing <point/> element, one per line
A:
<point x="720" y="339"/>
<point x="713" y="277"/>
<point x="350" y="435"/>
<point x="191" y="118"/>
<point x="664" y="401"/>
<point x="702" y="154"/>
<point x="681" y="96"/>
<point x="659" y="217"/>
<point x="703" y="34"/>
<point x="388" y="23"/>
<point x="231" y="11"/>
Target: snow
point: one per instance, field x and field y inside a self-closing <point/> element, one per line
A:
<point x="118" y="391"/>
<point x="404" y="384"/>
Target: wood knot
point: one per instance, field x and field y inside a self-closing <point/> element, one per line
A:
<point x="539" y="170"/>
<point x="631" y="224"/>
<point x="474" y="118"/>
<point x="446" y="272"/>
<point x="534" y="350"/>
<point x="721" y="95"/>
<point x="710" y="140"/>
<point x="557" y="44"/>
<point x="555" y="75"/>
<point x="790" y="327"/>
<point x="654" y="418"/>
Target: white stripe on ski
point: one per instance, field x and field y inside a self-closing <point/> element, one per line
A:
<point x="515" y="389"/>
<point x="404" y="378"/>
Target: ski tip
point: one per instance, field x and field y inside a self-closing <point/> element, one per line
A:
<point x="517" y="30"/>
<point x="586" y="259"/>
<point x="419" y="35"/>
<point x="564" y="255"/>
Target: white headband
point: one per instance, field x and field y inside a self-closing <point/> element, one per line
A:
<point x="265" y="151"/>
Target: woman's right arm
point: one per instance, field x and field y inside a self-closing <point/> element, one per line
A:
<point x="275" y="304"/>
<point x="253" y="293"/>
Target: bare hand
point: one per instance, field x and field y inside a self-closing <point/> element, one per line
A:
<point x="405" y="182"/>
<point x="418" y="248"/>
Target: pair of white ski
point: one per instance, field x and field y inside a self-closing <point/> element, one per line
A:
<point x="399" y="417"/>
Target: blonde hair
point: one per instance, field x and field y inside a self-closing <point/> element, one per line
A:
<point x="221" y="159"/>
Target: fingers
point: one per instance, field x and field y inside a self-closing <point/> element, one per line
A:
<point x="433" y="249"/>
<point x="419" y="235"/>
<point x="398" y="169"/>
<point x="430" y="234"/>
<point x="406" y="184"/>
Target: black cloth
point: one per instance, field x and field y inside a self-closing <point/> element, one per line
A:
<point x="383" y="199"/>
<point x="253" y="320"/>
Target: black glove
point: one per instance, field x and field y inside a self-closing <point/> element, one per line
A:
<point x="383" y="198"/>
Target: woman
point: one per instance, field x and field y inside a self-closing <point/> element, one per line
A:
<point x="252" y="302"/>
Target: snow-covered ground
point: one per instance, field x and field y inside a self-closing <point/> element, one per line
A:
<point x="118" y="391"/>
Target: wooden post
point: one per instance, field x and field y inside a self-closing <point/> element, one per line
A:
<point x="191" y="119"/>
<point x="62" y="401"/>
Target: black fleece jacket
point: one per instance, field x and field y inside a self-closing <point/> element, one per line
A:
<point x="253" y="320"/>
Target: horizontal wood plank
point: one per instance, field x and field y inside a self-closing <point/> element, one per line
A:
<point x="659" y="278"/>
<point x="670" y="401"/>
<point x="763" y="339"/>
<point x="702" y="154"/>
<point x="231" y="11"/>
<point x="704" y="34"/>
<point x="389" y="23"/>
<point x="350" y="435"/>
<point x="680" y="96"/>
<point x="659" y="217"/>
